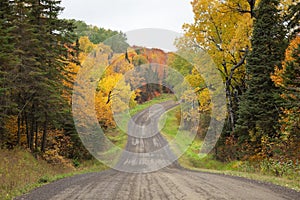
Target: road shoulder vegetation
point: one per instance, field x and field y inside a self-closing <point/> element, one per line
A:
<point x="270" y="171"/>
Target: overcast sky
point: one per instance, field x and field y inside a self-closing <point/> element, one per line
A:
<point x="127" y="15"/>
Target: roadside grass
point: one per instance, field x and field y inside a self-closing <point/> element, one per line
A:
<point x="20" y="172"/>
<point x="264" y="171"/>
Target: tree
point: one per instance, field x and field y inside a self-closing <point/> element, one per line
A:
<point x="180" y="64"/>
<point x="112" y="92"/>
<point x="224" y="33"/>
<point x="288" y="80"/>
<point x="7" y="62"/>
<point x="258" y="109"/>
<point x="42" y="44"/>
<point x="96" y="35"/>
<point x="117" y="43"/>
<point x="241" y="7"/>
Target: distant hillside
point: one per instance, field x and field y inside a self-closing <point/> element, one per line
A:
<point x="115" y="39"/>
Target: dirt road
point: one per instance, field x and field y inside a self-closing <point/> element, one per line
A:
<point x="172" y="182"/>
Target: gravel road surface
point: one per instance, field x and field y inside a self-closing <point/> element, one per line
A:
<point x="171" y="182"/>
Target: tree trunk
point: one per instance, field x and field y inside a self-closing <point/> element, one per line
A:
<point x="27" y="129"/>
<point x="19" y="131"/>
<point x="36" y="135"/>
<point x="32" y="132"/>
<point x="230" y="106"/>
<point x="44" y="138"/>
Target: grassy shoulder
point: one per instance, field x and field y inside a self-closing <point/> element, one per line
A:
<point x="20" y="172"/>
<point x="262" y="171"/>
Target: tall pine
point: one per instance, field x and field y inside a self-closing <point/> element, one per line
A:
<point x="42" y="45"/>
<point x="258" y="110"/>
<point x="7" y="62"/>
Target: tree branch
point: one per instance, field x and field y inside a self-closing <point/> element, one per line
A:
<point x="242" y="61"/>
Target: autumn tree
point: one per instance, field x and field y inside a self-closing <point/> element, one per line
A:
<point x="180" y="64"/>
<point x="111" y="98"/>
<point x="223" y="31"/>
<point x="288" y="80"/>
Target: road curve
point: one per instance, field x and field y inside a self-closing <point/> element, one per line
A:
<point x="146" y="149"/>
<point x="172" y="182"/>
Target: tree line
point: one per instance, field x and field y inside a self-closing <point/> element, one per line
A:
<point x="255" y="45"/>
<point x="38" y="55"/>
<point x="37" y="47"/>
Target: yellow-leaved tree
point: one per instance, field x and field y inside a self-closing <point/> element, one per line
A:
<point x="223" y="30"/>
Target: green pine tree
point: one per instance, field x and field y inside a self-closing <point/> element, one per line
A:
<point x="55" y="41"/>
<point x="7" y="61"/>
<point x="43" y="44"/>
<point x="258" y="110"/>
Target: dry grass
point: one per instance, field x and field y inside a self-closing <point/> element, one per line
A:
<point x="20" y="172"/>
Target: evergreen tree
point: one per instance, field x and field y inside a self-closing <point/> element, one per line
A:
<point x="258" y="109"/>
<point x="118" y="43"/>
<point x="116" y="40"/>
<point x="7" y="62"/>
<point x="55" y="41"/>
<point x="43" y="46"/>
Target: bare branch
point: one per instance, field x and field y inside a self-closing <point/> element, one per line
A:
<point x="240" y="63"/>
<point x="237" y="7"/>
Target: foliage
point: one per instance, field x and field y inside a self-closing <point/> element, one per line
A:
<point x="96" y="35"/>
<point x="223" y="30"/>
<point x="42" y="46"/>
<point x="117" y="43"/>
<point x="259" y="109"/>
<point x="286" y="171"/>
<point x="287" y="79"/>
<point x="114" y="87"/>
<point x="7" y="62"/>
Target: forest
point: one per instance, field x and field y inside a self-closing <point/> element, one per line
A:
<point x="255" y="46"/>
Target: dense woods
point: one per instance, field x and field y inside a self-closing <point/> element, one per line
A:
<point x="33" y="71"/>
<point x="40" y="55"/>
<point x="40" y="58"/>
<point x="254" y="44"/>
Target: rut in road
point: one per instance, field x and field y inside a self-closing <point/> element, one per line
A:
<point x="168" y="183"/>
<point x="172" y="182"/>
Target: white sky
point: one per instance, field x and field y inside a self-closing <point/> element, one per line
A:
<point x="127" y="15"/>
